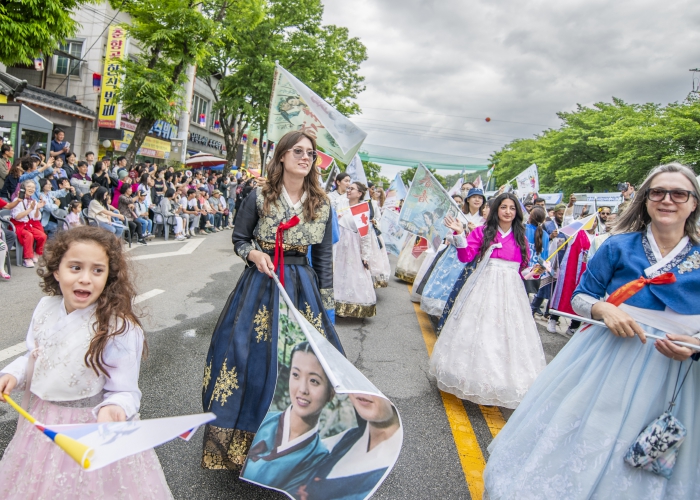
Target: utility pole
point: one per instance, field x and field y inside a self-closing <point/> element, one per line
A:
<point x="696" y="80"/>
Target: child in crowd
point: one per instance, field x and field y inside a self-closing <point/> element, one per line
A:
<point x="85" y="346"/>
<point x="73" y="217"/>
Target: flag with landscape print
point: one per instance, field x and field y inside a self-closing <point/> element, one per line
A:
<point x="319" y="439"/>
<point x="395" y="193"/>
<point x="294" y="106"/>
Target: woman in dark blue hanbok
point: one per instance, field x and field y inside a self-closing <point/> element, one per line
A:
<point x="280" y="221"/>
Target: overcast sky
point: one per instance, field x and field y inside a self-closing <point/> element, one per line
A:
<point x="513" y="61"/>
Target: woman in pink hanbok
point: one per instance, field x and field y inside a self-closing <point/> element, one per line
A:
<point x="489" y="350"/>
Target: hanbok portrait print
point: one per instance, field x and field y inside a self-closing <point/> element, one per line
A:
<point x="320" y="440"/>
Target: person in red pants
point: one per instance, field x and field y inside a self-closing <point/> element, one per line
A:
<point x="26" y="217"/>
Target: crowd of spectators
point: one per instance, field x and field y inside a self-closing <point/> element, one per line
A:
<point x="41" y="194"/>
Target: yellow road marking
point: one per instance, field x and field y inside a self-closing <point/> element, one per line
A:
<point x="494" y="418"/>
<point x="468" y="449"/>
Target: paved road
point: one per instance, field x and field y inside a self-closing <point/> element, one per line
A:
<point x="186" y="285"/>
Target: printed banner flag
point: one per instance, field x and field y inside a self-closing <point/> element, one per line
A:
<point x="420" y="247"/>
<point x="478" y="183"/>
<point x="331" y="177"/>
<point x="395" y="193"/>
<point x="323" y="161"/>
<point x="457" y="187"/>
<point x="321" y="394"/>
<point x="112" y="441"/>
<point x="426" y="205"/>
<point x="579" y="224"/>
<point x="393" y="234"/>
<point x="360" y="213"/>
<point x="294" y="106"/>
<point x="356" y="170"/>
<point x="528" y="181"/>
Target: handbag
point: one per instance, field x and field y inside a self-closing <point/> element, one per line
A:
<point x="227" y="211"/>
<point x="656" y="447"/>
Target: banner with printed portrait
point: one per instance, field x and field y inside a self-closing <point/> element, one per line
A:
<point x="294" y="106"/>
<point x="316" y="440"/>
<point x="396" y="193"/>
<point x="426" y="205"/>
<point x="393" y="234"/>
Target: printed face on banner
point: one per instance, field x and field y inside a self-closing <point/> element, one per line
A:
<point x="393" y="234"/>
<point x="315" y="443"/>
<point x="426" y="205"/>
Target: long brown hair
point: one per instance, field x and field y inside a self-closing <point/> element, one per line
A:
<point x="491" y="228"/>
<point x="272" y="190"/>
<point x="537" y="218"/>
<point x="636" y="217"/>
<point x="114" y="311"/>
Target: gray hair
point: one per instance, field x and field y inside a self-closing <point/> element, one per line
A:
<point x="27" y="183"/>
<point x="637" y="218"/>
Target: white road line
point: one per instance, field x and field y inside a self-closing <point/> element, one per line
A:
<point x="21" y="348"/>
<point x="187" y="249"/>
<point x="147" y="295"/>
<point x="155" y="244"/>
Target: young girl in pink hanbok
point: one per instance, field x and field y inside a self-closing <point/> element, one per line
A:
<point x="489" y="350"/>
<point x="85" y="345"/>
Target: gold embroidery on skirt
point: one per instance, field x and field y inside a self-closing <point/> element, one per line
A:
<point x="263" y="320"/>
<point x="380" y="281"/>
<point x="207" y="377"/>
<point x="355" y="310"/>
<point x="225" y="448"/>
<point x="315" y="321"/>
<point x="408" y="278"/>
<point x="270" y="247"/>
<point x="226" y="383"/>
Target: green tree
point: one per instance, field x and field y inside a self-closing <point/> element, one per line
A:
<point x="597" y="147"/>
<point x="29" y="28"/>
<point x="373" y="173"/>
<point x="325" y="58"/>
<point x="172" y="35"/>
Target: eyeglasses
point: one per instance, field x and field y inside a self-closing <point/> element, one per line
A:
<point x="299" y="153"/>
<point x="677" y="195"/>
<point x="604" y="213"/>
<point x="351" y="189"/>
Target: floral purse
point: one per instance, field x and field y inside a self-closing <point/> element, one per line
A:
<point x="656" y="447"/>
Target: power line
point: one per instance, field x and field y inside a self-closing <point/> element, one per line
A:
<point x="377" y="128"/>
<point x="413" y="125"/>
<point x="454" y="116"/>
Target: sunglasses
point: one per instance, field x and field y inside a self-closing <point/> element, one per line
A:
<point x="299" y="153"/>
<point x="677" y="195"/>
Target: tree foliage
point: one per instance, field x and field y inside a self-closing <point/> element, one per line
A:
<point x="29" y="28"/>
<point x="407" y="177"/>
<point x="241" y="71"/>
<point x="595" y="148"/>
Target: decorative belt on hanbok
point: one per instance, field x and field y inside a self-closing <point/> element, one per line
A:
<point x="269" y="247"/>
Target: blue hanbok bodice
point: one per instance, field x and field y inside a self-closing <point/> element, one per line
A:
<point x="530" y="230"/>
<point x="284" y="470"/>
<point x="626" y="257"/>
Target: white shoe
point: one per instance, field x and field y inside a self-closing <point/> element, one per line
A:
<point x="552" y="326"/>
<point x="180" y="238"/>
<point x="28" y="263"/>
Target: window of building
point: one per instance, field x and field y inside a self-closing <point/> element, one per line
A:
<point x="200" y="106"/>
<point x="62" y="63"/>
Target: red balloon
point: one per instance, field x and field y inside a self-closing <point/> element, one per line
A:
<point x="488" y="119"/>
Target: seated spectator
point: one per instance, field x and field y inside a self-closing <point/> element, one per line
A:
<point x="193" y="211"/>
<point x="70" y="166"/>
<point x="218" y="205"/>
<point x="32" y="171"/>
<point x="141" y="210"/>
<point x="87" y="197"/>
<point x="126" y="208"/>
<point x="52" y="207"/>
<point x="170" y="211"/>
<point x="73" y="218"/>
<point x="101" y="210"/>
<point x="12" y="180"/>
<point x="206" y="222"/>
<point x="64" y="184"/>
<point x="6" y="155"/>
<point x="6" y="234"/>
<point x="58" y="171"/>
<point x="101" y="176"/>
<point x="26" y="217"/>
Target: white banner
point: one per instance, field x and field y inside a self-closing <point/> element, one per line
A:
<point x="528" y="181"/>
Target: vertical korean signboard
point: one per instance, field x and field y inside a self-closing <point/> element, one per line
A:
<point x="110" y="110"/>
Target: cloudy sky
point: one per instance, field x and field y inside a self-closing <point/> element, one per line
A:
<point x="515" y="62"/>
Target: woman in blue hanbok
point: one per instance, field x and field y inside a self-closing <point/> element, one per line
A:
<point x="287" y="447"/>
<point x="279" y="221"/>
<point x="569" y="436"/>
<point x="448" y="268"/>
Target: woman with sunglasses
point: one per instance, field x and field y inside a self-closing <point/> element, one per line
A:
<point x="291" y="214"/>
<point x="570" y="435"/>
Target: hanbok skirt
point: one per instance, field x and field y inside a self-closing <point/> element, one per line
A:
<point x="379" y="265"/>
<point x="353" y="288"/>
<point x="34" y="467"/>
<point x="241" y="369"/>
<point x="407" y="265"/>
<point x="568" y="437"/>
<point x="439" y="285"/>
<point x="425" y="269"/>
<point x="489" y="351"/>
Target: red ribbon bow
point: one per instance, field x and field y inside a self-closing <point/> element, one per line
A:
<point x="279" y="245"/>
<point x="626" y="291"/>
